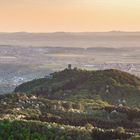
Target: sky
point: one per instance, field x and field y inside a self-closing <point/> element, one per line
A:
<point x="69" y="15"/>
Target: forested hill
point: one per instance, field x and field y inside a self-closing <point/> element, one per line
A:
<point x="112" y="85"/>
<point x="73" y="104"/>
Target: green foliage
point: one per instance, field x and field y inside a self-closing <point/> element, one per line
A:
<point x="89" y="126"/>
<point x="32" y="130"/>
<point x="120" y="130"/>
<point x="136" y="137"/>
<point x="72" y="97"/>
<point x="109" y="85"/>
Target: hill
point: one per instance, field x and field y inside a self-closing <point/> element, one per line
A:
<point x="114" y="86"/>
<point x="73" y="104"/>
<point x="69" y="118"/>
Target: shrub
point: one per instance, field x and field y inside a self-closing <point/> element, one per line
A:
<point x="136" y="137"/>
<point x="89" y="126"/>
<point x="120" y="130"/>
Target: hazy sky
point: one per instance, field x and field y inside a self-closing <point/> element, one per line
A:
<point x="69" y="15"/>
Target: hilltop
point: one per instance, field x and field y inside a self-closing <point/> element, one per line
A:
<point x="73" y="104"/>
<point x="114" y="86"/>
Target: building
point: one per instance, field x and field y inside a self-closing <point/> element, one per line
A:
<point x="69" y="66"/>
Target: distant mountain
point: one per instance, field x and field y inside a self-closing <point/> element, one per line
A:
<point x="70" y="39"/>
<point x="113" y="86"/>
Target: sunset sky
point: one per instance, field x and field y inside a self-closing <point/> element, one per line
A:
<point x="69" y="15"/>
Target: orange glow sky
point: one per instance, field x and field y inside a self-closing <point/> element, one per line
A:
<point x="69" y="15"/>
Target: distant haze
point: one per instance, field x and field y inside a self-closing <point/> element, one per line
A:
<point x="67" y="39"/>
<point x="25" y="56"/>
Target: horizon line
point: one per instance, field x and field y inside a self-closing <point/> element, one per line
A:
<point x="113" y="31"/>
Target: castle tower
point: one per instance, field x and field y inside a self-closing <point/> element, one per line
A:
<point x="69" y="66"/>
